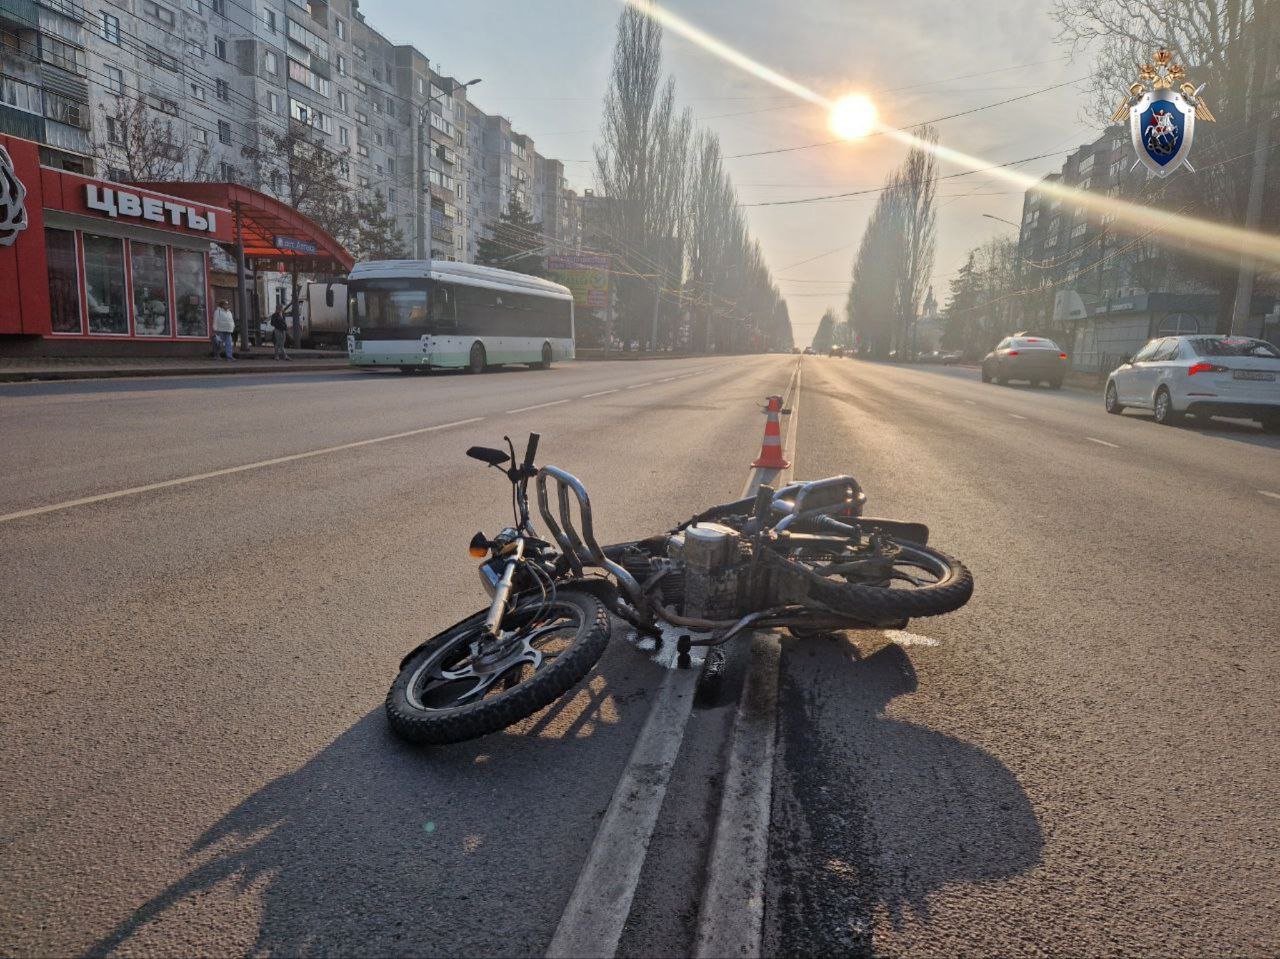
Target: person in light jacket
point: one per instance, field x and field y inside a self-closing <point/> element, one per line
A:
<point x="224" y="325"/>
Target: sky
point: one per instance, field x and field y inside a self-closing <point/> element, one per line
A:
<point x="545" y="65"/>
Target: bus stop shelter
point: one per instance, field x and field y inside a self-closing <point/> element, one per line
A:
<point x="267" y="235"/>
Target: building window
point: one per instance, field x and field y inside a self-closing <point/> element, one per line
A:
<point x="159" y="58"/>
<point x="340" y="28"/>
<point x="363" y="181"/>
<point x="161" y="14"/>
<point x="344" y="136"/>
<point x="164" y="105"/>
<point x="115" y="131"/>
<point x="224" y="132"/>
<point x="342" y="64"/>
<point x="226" y="171"/>
<point x="104" y="284"/>
<point x="115" y="80"/>
<point x="195" y="6"/>
<point x="111" y="28"/>
<point x="189" y="292"/>
<point x="200" y="136"/>
<point x="197" y="92"/>
<point x="64" y="55"/>
<point x="220" y="48"/>
<point x="219" y="7"/>
<point x="221" y="90"/>
<point x="273" y="102"/>
<point x="391" y="165"/>
<point x="194" y="51"/>
<point x="362" y="117"/>
<point x="149" y="263"/>
<point x="269" y="17"/>
<point x="342" y="102"/>
<point x="64" y="280"/>
<point x="271" y="60"/>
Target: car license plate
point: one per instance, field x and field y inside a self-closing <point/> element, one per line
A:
<point x="1253" y="375"/>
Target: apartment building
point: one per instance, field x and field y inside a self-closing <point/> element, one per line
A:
<point x="1107" y="291"/>
<point x="210" y="78"/>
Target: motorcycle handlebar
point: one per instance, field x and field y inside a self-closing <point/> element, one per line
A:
<point x="531" y="451"/>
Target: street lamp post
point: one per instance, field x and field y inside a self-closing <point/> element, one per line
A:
<point x="423" y="167"/>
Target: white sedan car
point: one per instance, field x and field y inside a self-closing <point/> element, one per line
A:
<point x="1174" y="376"/>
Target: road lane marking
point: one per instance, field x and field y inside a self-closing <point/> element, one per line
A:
<point x="903" y="638"/>
<point x="1269" y="493"/>
<point x="1017" y="417"/>
<point x="587" y="396"/>
<point x="971" y="402"/>
<point x="537" y="406"/>
<point x="1114" y="446"/>
<point x="731" y="914"/>
<point x="595" y="917"/>
<point x="636" y="386"/>
<point x="261" y="464"/>
<point x="593" y="920"/>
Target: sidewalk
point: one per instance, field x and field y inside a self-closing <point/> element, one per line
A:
<point x="17" y="369"/>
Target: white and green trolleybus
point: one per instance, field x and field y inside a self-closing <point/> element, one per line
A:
<point x="425" y="314"/>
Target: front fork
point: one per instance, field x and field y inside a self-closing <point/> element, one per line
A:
<point x="502" y="592"/>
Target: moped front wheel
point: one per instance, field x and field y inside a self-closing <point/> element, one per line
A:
<point x="460" y="686"/>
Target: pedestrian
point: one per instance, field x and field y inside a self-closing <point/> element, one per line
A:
<point x="224" y="326"/>
<point x="278" y="328"/>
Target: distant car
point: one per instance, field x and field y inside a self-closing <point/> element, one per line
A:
<point x="1031" y="358"/>
<point x="836" y="351"/>
<point x="952" y="356"/>
<point x="808" y="351"/>
<point x="1173" y="376"/>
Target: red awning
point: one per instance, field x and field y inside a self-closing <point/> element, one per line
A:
<point x="271" y="230"/>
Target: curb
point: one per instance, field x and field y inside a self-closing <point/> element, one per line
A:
<point x="27" y="376"/>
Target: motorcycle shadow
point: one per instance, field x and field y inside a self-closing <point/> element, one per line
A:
<point x="874" y="815"/>
<point x="377" y="848"/>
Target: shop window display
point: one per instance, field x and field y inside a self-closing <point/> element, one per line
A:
<point x="190" y="293"/>
<point x="104" y="284"/>
<point x="64" y="286"/>
<point x="150" y="289"/>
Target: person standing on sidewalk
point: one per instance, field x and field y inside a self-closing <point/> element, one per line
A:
<point x="224" y="325"/>
<point x="278" y="329"/>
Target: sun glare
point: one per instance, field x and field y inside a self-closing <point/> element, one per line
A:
<point x="853" y="116"/>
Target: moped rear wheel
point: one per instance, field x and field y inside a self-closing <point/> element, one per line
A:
<point x="456" y="687"/>
<point x="902" y="580"/>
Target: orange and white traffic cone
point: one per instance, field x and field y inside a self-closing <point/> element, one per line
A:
<point x="771" y="448"/>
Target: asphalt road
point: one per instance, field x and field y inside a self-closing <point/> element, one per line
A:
<point x="1083" y="760"/>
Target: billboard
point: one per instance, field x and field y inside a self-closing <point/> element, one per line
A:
<point x="586" y="274"/>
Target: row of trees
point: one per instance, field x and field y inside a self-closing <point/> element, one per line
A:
<point x="687" y="271"/>
<point x="895" y="257"/>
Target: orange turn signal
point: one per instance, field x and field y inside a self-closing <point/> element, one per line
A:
<point x="479" y="547"/>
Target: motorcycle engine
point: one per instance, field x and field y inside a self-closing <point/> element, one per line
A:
<point x="714" y="569"/>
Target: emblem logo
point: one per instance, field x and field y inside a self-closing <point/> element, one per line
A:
<point x="13" y="201"/>
<point x="1162" y="121"/>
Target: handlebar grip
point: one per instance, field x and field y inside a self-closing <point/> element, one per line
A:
<point x="531" y="450"/>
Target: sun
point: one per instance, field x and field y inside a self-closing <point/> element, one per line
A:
<point x="853" y="116"/>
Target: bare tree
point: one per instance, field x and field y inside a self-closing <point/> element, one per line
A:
<point x="142" y="144"/>
<point x="294" y="164"/>
<point x="912" y="189"/>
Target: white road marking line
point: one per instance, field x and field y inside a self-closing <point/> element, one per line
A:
<point x="667" y="380"/>
<point x="593" y="920"/>
<point x="538" y="406"/>
<point x="588" y="396"/>
<point x="1269" y="493"/>
<point x="971" y="402"/>
<point x="636" y="386"/>
<point x="903" y="638"/>
<point x="1114" y="446"/>
<point x="1017" y="417"/>
<point x="731" y="916"/>
<point x="183" y="480"/>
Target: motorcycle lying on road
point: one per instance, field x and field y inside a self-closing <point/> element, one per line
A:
<point x="802" y="557"/>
